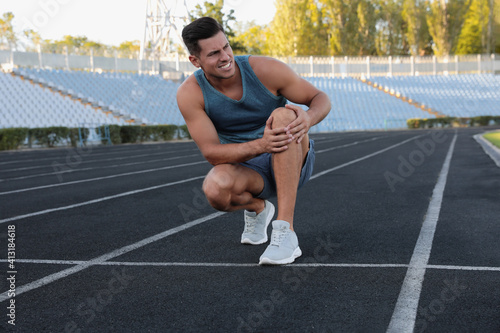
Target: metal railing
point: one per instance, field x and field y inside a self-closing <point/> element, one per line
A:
<point x="313" y="66"/>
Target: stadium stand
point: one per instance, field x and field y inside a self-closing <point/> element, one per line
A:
<point x="25" y="104"/>
<point x="465" y="95"/>
<point x="141" y="99"/>
<point x="358" y="106"/>
<point x="46" y="97"/>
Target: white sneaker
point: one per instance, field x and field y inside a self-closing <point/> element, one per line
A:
<point x="284" y="247"/>
<point x="256" y="225"/>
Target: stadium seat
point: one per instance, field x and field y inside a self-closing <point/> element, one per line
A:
<point x="25" y="104"/>
<point x="465" y="95"/>
<point x="356" y="105"/>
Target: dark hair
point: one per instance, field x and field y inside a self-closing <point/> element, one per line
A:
<point x="202" y="28"/>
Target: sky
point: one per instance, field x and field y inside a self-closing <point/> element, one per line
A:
<point x="110" y="21"/>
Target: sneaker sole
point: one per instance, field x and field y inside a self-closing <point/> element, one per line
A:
<point x="265" y="239"/>
<point x="266" y="261"/>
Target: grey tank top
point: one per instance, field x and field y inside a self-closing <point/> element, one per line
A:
<point x="243" y="120"/>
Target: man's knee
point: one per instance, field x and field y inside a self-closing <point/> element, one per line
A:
<point x="217" y="187"/>
<point x="283" y="116"/>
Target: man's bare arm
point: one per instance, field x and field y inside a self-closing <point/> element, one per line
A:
<point x="280" y="79"/>
<point x="203" y="132"/>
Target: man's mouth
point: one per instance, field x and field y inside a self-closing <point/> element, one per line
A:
<point x="226" y="65"/>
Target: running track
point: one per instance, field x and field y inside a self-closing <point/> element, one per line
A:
<point x="399" y="232"/>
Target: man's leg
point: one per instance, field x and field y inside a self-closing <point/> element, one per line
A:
<point x="287" y="166"/>
<point x="231" y="187"/>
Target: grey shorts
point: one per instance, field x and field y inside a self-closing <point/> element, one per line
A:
<point x="263" y="165"/>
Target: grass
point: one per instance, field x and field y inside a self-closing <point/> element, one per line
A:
<point x="493" y="137"/>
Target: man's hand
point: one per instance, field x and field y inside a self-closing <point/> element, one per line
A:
<point x="300" y="126"/>
<point x="275" y="140"/>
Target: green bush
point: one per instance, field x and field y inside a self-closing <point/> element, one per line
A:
<point x="184" y="131"/>
<point x="135" y="133"/>
<point x="446" y="121"/>
<point x="49" y="136"/>
<point x="461" y="122"/>
<point x="480" y="121"/>
<point x="157" y="133"/>
<point x="12" y="138"/>
<point x="74" y="135"/>
<point x="130" y="134"/>
<point x="432" y="122"/>
<point x="114" y="134"/>
<point x="167" y="132"/>
<point x="412" y="123"/>
<point x="453" y="122"/>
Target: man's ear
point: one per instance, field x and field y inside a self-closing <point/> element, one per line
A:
<point x="194" y="60"/>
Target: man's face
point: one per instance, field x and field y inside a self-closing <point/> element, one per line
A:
<point x="216" y="57"/>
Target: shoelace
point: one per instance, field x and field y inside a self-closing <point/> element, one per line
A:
<point x="278" y="235"/>
<point x="250" y="223"/>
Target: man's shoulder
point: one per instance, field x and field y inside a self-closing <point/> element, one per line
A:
<point x="272" y="72"/>
<point x="189" y="92"/>
<point x="190" y="85"/>
<point x="258" y="60"/>
<point x="264" y="65"/>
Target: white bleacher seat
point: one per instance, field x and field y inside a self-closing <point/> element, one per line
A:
<point x="355" y="105"/>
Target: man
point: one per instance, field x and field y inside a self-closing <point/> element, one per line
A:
<point x="236" y="112"/>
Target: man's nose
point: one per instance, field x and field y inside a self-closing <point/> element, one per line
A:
<point x="224" y="56"/>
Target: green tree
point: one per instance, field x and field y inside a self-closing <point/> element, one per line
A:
<point x="416" y="33"/>
<point x="99" y="49"/>
<point x="34" y="37"/>
<point x="252" y="37"/>
<point x="317" y="27"/>
<point x="286" y="28"/>
<point x="214" y="10"/>
<point x="496" y="27"/>
<point x="437" y="20"/>
<point x="76" y="45"/>
<point x="445" y="19"/>
<point x="473" y="37"/>
<point x="490" y="36"/>
<point x="351" y="26"/>
<point x="7" y="35"/>
<point x="129" y="49"/>
<point x="367" y="21"/>
<point x="297" y="29"/>
<point x="390" y="39"/>
<point x="341" y="26"/>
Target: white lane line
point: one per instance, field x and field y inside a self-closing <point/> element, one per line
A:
<point x="346" y="145"/>
<point x="181" y="264"/>
<point x="46" y="211"/>
<point x="405" y="312"/>
<point x="113" y="254"/>
<point x="77" y="150"/>
<point x="319" y="174"/>
<point x="102" y="178"/>
<point x="465" y="268"/>
<point x="69" y="170"/>
<point x="50" y="261"/>
<point x="225" y="264"/>
<point x="201" y="264"/>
